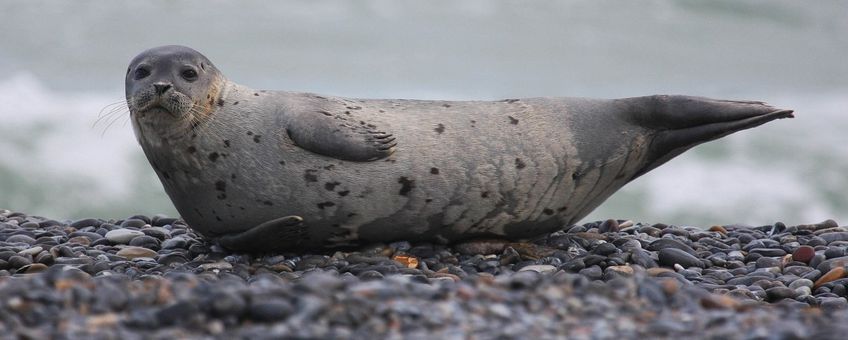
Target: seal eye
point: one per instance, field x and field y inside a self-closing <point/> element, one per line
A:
<point x="190" y="75"/>
<point x="141" y="73"/>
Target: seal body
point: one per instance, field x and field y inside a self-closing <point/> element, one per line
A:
<point x="272" y="170"/>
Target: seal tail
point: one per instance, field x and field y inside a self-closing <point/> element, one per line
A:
<point x="683" y="122"/>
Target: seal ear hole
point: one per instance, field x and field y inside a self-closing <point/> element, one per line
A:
<point x="203" y="66"/>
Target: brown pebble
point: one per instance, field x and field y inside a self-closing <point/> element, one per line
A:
<point x="803" y="254"/>
<point x="658" y="270"/>
<point x="716" y="301"/>
<point x="670" y="286"/>
<point x="131" y="252"/>
<point x="81" y="240"/>
<point x="626" y="270"/>
<point x="834" y="274"/>
<point x="33" y="268"/>
<point x="719" y="229"/>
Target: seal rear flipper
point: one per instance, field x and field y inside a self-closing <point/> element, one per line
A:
<point x="340" y="135"/>
<point x="279" y="234"/>
<point x="682" y="122"/>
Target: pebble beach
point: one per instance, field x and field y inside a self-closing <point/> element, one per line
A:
<point x="154" y="278"/>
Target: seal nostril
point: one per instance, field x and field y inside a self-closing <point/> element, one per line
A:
<point x="161" y="87"/>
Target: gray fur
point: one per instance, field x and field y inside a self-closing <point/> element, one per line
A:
<point x="360" y="170"/>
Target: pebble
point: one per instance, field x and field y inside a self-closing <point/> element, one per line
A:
<point x="803" y="254"/>
<point x="122" y="236"/>
<point x="131" y="252"/>
<point x="672" y="256"/>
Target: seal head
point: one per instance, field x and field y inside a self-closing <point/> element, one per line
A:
<point x="171" y="84"/>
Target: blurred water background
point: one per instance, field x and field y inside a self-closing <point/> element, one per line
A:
<point x="61" y="63"/>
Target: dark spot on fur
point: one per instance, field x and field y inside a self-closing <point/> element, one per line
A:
<point x="562" y="209"/>
<point x="439" y="128"/>
<point x="226" y="143"/>
<point x="323" y="205"/>
<point x="268" y="203"/>
<point x="218" y="218"/>
<point x="331" y="185"/>
<point x="382" y="111"/>
<point x="372" y="126"/>
<point x="191" y="149"/>
<point x="220" y="102"/>
<point x="354" y="107"/>
<point x="519" y="163"/>
<point x="575" y="176"/>
<point x="242" y="208"/>
<point x="484" y="194"/>
<point x="406" y="185"/>
<point x="256" y="138"/>
<point x="198" y="212"/>
<point x="351" y="214"/>
<point x="255" y="94"/>
<point x="343" y="193"/>
<point x="235" y="103"/>
<point x="221" y="186"/>
<point x="326" y="113"/>
<point x="434" y="171"/>
<point x="214" y="156"/>
<point x="233" y="177"/>
<point x="512" y="120"/>
<point x="282" y="162"/>
<point x="547" y="211"/>
<point x="428" y="200"/>
<point x="510" y="101"/>
<point x="250" y="133"/>
<point x="222" y="196"/>
<point x="329" y="167"/>
<point x="310" y="176"/>
<point x="446" y="105"/>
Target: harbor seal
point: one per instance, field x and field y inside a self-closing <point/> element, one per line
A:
<point x="272" y="170"/>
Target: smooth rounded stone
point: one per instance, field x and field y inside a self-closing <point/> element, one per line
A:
<point x="484" y="247"/>
<point x="643" y="258"/>
<point x="122" y="236"/>
<point x="803" y="254"/>
<point x="605" y="249"/>
<point x="779" y="293"/>
<point x="797" y="270"/>
<point x="135" y="223"/>
<point x="86" y="222"/>
<point x="735" y="255"/>
<point x="19" y="261"/>
<point x="803" y="291"/>
<point x="665" y="243"/>
<point x="766" y="262"/>
<point x="157" y="232"/>
<point x="609" y="226"/>
<point x="31" y="251"/>
<point x="834" y="236"/>
<point x="593" y="273"/>
<point x="817" y="261"/>
<point x="131" y="252"/>
<point x="33" y="268"/>
<point x="833" y="274"/>
<point x="226" y="303"/>
<point x="30" y="225"/>
<point x="20" y="238"/>
<point x="672" y="256"/>
<point x="45" y="258"/>
<point x="826" y="265"/>
<point x="220" y="265"/>
<point x="145" y="241"/>
<point x="833" y="303"/>
<point x="539" y="268"/>
<point x="174" y="243"/>
<point x="370" y="275"/>
<point x="834" y="252"/>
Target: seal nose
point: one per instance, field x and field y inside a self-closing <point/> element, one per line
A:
<point x="161" y="88"/>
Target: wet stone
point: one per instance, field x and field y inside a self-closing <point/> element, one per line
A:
<point x="672" y="256"/>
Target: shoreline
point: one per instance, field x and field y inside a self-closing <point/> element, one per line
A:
<point x="143" y="277"/>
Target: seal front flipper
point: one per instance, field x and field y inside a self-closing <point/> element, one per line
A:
<point x="340" y="135"/>
<point x="282" y="233"/>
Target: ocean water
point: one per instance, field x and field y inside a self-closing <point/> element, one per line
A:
<point x="62" y="66"/>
